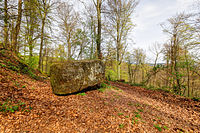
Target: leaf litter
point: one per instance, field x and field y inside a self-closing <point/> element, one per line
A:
<point x="140" y="110"/>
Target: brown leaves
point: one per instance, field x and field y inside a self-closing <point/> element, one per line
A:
<point x="139" y="109"/>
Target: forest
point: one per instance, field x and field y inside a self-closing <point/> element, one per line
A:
<point x="34" y="34"/>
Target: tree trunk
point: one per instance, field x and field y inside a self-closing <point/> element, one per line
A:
<point x="47" y="59"/>
<point x="118" y="71"/>
<point x="41" y="43"/>
<point x="92" y="39"/>
<point x="188" y="73"/>
<point x="30" y="39"/>
<point x="17" y="27"/>
<point x="118" y="50"/>
<point x="130" y="72"/>
<point x="69" y="48"/>
<point x="5" y="44"/>
<point x="98" y="40"/>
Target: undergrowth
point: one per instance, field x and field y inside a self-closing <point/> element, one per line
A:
<point x="13" y="106"/>
<point x="103" y="87"/>
<point x="13" y="63"/>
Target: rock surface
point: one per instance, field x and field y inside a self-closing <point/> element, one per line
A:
<point x="73" y="76"/>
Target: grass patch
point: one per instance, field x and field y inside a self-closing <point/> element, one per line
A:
<point x="134" y="121"/>
<point x="121" y="125"/>
<point x="102" y="90"/>
<point x="140" y="110"/>
<point x="24" y="86"/>
<point x="3" y="65"/>
<point x="165" y="127"/>
<point x="82" y="94"/>
<point x="103" y="87"/>
<point x="138" y="116"/>
<point x="158" y="127"/>
<point x="11" y="107"/>
<point x="120" y="114"/>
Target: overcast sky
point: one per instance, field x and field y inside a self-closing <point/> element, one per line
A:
<point x="149" y="15"/>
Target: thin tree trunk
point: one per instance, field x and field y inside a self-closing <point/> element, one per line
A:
<point x="98" y="40"/>
<point x="5" y="44"/>
<point x="47" y="59"/>
<point x="69" y="48"/>
<point x="130" y="72"/>
<point x="188" y="73"/>
<point x="17" y="27"/>
<point x="41" y="43"/>
<point x="30" y="39"/>
<point x="92" y="39"/>
<point x="118" y="52"/>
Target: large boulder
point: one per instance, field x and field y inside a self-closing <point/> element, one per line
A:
<point x="73" y="76"/>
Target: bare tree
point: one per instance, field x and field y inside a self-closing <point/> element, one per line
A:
<point x="120" y="12"/>
<point x="68" y="25"/>
<point x="98" y="5"/>
<point x="44" y="8"/>
<point x="178" y="31"/>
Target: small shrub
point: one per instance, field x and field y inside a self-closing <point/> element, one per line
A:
<point x="121" y="125"/>
<point x="138" y="116"/>
<point x="24" y="86"/>
<point x="158" y="127"/>
<point x="3" y="65"/>
<point x="165" y="127"/>
<point x="134" y="121"/>
<point x="103" y="85"/>
<point x="17" y="84"/>
<point x="120" y="114"/>
<point x="25" y="70"/>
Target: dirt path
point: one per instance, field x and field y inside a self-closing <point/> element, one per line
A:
<point x="118" y="109"/>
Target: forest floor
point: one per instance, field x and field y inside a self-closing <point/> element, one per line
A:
<point x="119" y="108"/>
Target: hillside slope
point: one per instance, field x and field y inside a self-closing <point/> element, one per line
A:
<point x="119" y="108"/>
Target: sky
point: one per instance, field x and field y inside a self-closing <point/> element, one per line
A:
<point x="148" y="17"/>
